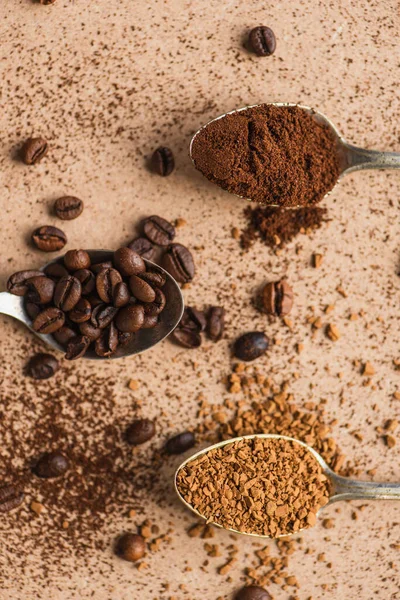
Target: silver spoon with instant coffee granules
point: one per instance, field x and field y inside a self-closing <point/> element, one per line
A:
<point x="349" y="158"/>
<point x="142" y="340"/>
<point x="340" y="488"/>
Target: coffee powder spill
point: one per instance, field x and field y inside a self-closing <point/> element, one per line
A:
<point x="276" y="155"/>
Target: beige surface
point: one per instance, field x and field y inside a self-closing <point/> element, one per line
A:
<point x="108" y="81"/>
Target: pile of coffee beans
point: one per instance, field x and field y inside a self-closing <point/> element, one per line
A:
<point x="194" y="322"/>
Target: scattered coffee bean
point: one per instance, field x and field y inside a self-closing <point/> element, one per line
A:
<point x="121" y="294"/>
<point x="156" y="307"/>
<point x="17" y="284"/>
<point x="124" y="338"/>
<point x="143" y="247"/>
<point x="10" y="497"/>
<point x="42" y="366"/>
<point x="81" y="312"/>
<point x="106" y="281"/>
<point x="87" y="329"/>
<point x="107" y="264"/>
<point x="140" y="431"/>
<point x="67" y="293"/>
<point x="87" y="279"/>
<point x="253" y="592"/>
<point x="130" y="318"/>
<point x="51" y="465"/>
<point x="47" y="2"/>
<point x="193" y="319"/>
<point x="128" y="262"/>
<point x="34" y="150"/>
<point x="141" y="290"/>
<point x="131" y="547"/>
<point x="178" y="261"/>
<point x="251" y="345"/>
<point x="158" y="230"/>
<point x="180" y="443"/>
<point x="162" y="161"/>
<point x="49" y="320"/>
<point x="150" y="321"/>
<point x="154" y="278"/>
<point x="64" y="335"/>
<point x="40" y="290"/>
<point x="49" y="239"/>
<point x="56" y="271"/>
<point x="75" y="260"/>
<point x="102" y="315"/>
<point x="216" y="323"/>
<point x="262" y="41"/>
<point x="186" y="338"/>
<point x="77" y="347"/>
<point x="68" y="208"/>
<point x="277" y="298"/>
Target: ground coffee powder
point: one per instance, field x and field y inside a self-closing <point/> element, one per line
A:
<point x="277" y="155"/>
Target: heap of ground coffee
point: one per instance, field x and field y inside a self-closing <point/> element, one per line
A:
<point x="261" y="486"/>
<point x="277" y="155"/>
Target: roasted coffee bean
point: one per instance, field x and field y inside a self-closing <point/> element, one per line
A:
<point x="87" y="329"/>
<point x="143" y="247"/>
<point x="140" y="432"/>
<point x="51" y="465"/>
<point x="75" y="260"/>
<point x="180" y="443"/>
<point x="128" y="262"/>
<point x="253" y="592"/>
<point x="67" y="293"/>
<point x="68" y="208"/>
<point x="107" y="343"/>
<point x="154" y="278"/>
<point x="34" y="150"/>
<point x="17" y="284"/>
<point x="40" y="290"/>
<point x="156" y="307"/>
<point x="102" y="315"/>
<point x="87" y="279"/>
<point x="49" y="320"/>
<point x="277" y="298"/>
<point x="106" y="281"/>
<point x="158" y="230"/>
<point x="121" y="294"/>
<point x="193" y="319"/>
<point x="251" y="345"/>
<point x="47" y="2"/>
<point x="10" y="497"/>
<point x="77" y="347"/>
<point x="215" y="323"/>
<point x="186" y="338"/>
<point x="162" y="161"/>
<point x="42" y="366"/>
<point x="150" y="321"/>
<point x="81" y="312"/>
<point x="94" y="300"/>
<point x="32" y="309"/>
<point x="130" y="318"/>
<point x="107" y="264"/>
<point x="124" y="338"/>
<point x="178" y="261"/>
<point x="262" y="41"/>
<point x="64" y="335"/>
<point x="131" y="547"/>
<point x="56" y="271"/>
<point x="141" y="289"/>
<point x="49" y="239"/>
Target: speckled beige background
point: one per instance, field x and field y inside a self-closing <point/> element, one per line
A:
<point x="106" y="82"/>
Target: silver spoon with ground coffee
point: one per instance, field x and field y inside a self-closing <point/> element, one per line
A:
<point x="267" y="485"/>
<point x="142" y="340"/>
<point x="279" y="154"/>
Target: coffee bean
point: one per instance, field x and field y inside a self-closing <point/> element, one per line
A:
<point x="130" y="318"/>
<point x="262" y="41"/>
<point x="64" y="335"/>
<point x="216" y="323"/>
<point x="178" y="261"/>
<point x="121" y="294"/>
<point x="42" y="366"/>
<point x="87" y="279"/>
<point x="67" y="293"/>
<point x="193" y="319"/>
<point x="140" y="432"/>
<point x="87" y="329"/>
<point x="162" y="161"/>
<point x="102" y="315"/>
<point x="40" y="290"/>
<point x="34" y="150"/>
<point x="17" y="284"/>
<point x="251" y="345"/>
<point x="150" y="321"/>
<point x="186" y="338"/>
<point x="107" y="343"/>
<point x="143" y="247"/>
<point x="68" y="208"/>
<point x="32" y="310"/>
<point x="107" y="264"/>
<point x="277" y="298"/>
<point x="77" y="347"/>
<point x="49" y="320"/>
<point x="253" y="592"/>
<point x="81" y="312"/>
<point x="131" y="547"/>
<point x="156" y="307"/>
<point x="47" y="2"/>
<point x="180" y="443"/>
<point x="75" y="260"/>
<point x="49" y="239"/>
<point x="10" y="497"/>
<point x="106" y="281"/>
<point x="158" y="230"/>
<point x="128" y="262"/>
<point x="154" y="278"/>
<point x="56" y="271"/>
<point x="141" y="289"/>
<point x="124" y="338"/>
<point x="94" y="300"/>
<point x="51" y="465"/>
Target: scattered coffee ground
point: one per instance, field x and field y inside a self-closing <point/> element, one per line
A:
<point x="276" y="155"/>
<point x="275" y="227"/>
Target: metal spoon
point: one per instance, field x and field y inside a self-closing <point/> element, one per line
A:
<point x="342" y="488"/>
<point x="142" y="340"/>
<point x="351" y="158"/>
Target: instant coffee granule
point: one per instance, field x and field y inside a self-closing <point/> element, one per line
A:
<point x="275" y="155"/>
<point x="270" y="487"/>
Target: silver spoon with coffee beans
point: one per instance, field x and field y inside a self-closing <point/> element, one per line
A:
<point x="293" y="485"/>
<point x="164" y="308"/>
<point x="279" y="154"/>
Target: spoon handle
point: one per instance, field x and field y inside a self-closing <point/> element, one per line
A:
<point x="359" y="158"/>
<point x="12" y="305"/>
<point x="350" y="489"/>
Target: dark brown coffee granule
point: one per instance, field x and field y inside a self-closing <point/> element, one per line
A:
<point x="276" y="155"/>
